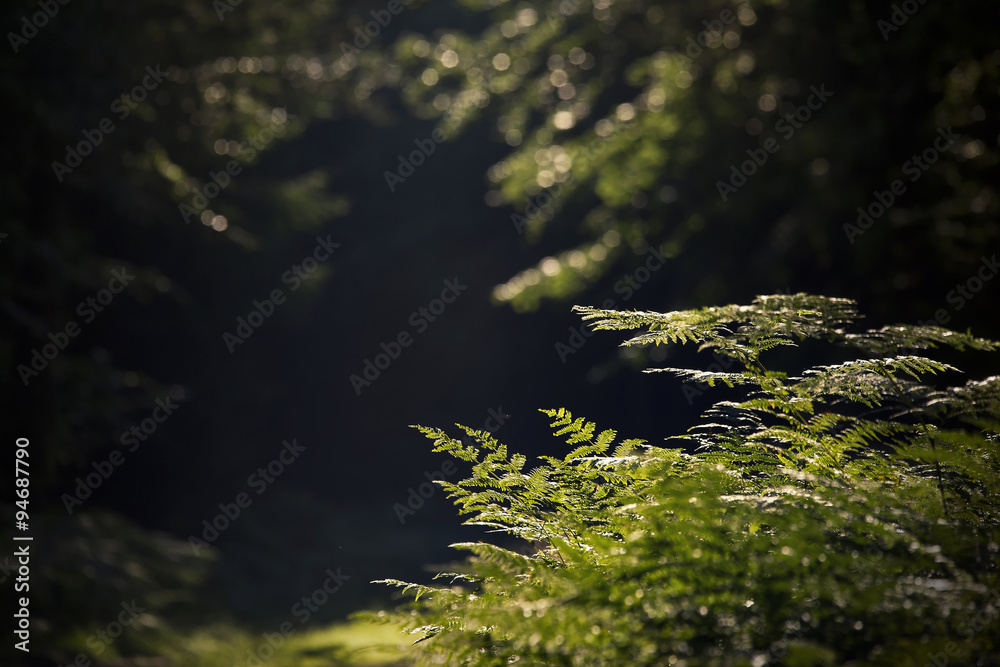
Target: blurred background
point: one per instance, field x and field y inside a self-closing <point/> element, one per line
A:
<point x="244" y="246"/>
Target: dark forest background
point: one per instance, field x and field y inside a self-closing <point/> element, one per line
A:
<point x="581" y="139"/>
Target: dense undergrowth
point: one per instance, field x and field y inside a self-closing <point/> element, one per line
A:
<point x="844" y="515"/>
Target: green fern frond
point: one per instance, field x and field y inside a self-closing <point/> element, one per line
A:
<point x="692" y="375"/>
<point x="493" y="553"/>
<point x="868" y="381"/>
<point x="976" y="397"/>
<point x="417" y="590"/>
<point x="889" y="340"/>
<point x="848" y="493"/>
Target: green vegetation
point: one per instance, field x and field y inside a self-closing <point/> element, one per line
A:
<point x="202" y="148"/>
<point x="359" y="643"/>
<point x="625" y="121"/>
<point x="849" y="514"/>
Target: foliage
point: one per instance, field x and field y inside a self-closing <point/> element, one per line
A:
<point x="665" y="130"/>
<point x="184" y="91"/>
<point x="232" y="90"/>
<point x="619" y="120"/>
<point x="223" y="645"/>
<point x="849" y="514"/>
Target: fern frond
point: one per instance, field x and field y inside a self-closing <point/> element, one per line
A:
<point x="867" y="381"/>
<point x="888" y="340"/>
<point x="692" y="375"/>
<point x="976" y="397"/>
<point x="417" y="590"/>
<point x="791" y="506"/>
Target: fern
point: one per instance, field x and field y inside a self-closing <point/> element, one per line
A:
<point x="845" y="514"/>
